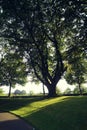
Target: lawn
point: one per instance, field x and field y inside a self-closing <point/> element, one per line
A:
<point x="60" y="113"/>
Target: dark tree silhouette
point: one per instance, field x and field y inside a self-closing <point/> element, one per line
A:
<point x="39" y="30"/>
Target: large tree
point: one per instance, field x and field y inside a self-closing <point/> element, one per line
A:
<point x="39" y="30"/>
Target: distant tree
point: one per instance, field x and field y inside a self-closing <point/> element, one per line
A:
<point x="58" y="91"/>
<point x="76" y="90"/>
<point x="67" y="91"/>
<point x="23" y="92"/>
<point x="13" y="71"/>
<point x="1" y="91"/>
<point x="31" y="93"/>
<point x="84" y="89"/>
<point x="43" y="89"/>
<point x="17" y="92"/>
<point x="76" y="73"/>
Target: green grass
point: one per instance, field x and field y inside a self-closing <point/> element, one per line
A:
<point x="61" y="113"/>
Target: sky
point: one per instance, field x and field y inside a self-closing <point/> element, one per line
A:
<point x="62" y="85"/>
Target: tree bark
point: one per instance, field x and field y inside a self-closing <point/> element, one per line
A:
<point x="80" y="90"/>
<point x="43" y="89"/>
<point x="9" y="94"/>
<point x="52" y="91"/>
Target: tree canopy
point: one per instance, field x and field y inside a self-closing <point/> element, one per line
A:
<point x="42" y="32"/>
<point x="77" y="72"/>
<point x="12" y="69"/>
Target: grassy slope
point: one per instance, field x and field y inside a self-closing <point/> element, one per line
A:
<point x="63" y="113"/>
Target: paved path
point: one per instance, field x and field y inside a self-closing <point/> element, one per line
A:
<point x="9" y="121"/>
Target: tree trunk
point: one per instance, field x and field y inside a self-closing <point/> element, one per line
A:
<point x="80" y="90"/>
<point x="9" y="94"/>
<point x="43" y="90"/>
<point x="52" y="91"/>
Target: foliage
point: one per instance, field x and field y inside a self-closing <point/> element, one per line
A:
<point x="76" y="47"/>
<point x="13" y="70"/>
<point x="41" y="30"/>
<point x="76" y="90"/>
<point x="1" y="91"/>
<point x="76" y="72"/>
<point x="19" y="92"/>
<point x="67" y="91"/>
<point x="31" y="93"/>
<point x="58" y="91"/>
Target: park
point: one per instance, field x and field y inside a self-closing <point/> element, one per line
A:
<point x="43" y="42"/>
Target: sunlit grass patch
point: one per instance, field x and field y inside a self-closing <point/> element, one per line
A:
<point x="37" y="106"/>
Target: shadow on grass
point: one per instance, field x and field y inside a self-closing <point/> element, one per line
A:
<point x="10" y="104"/>
<point x="68" y="114"/>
